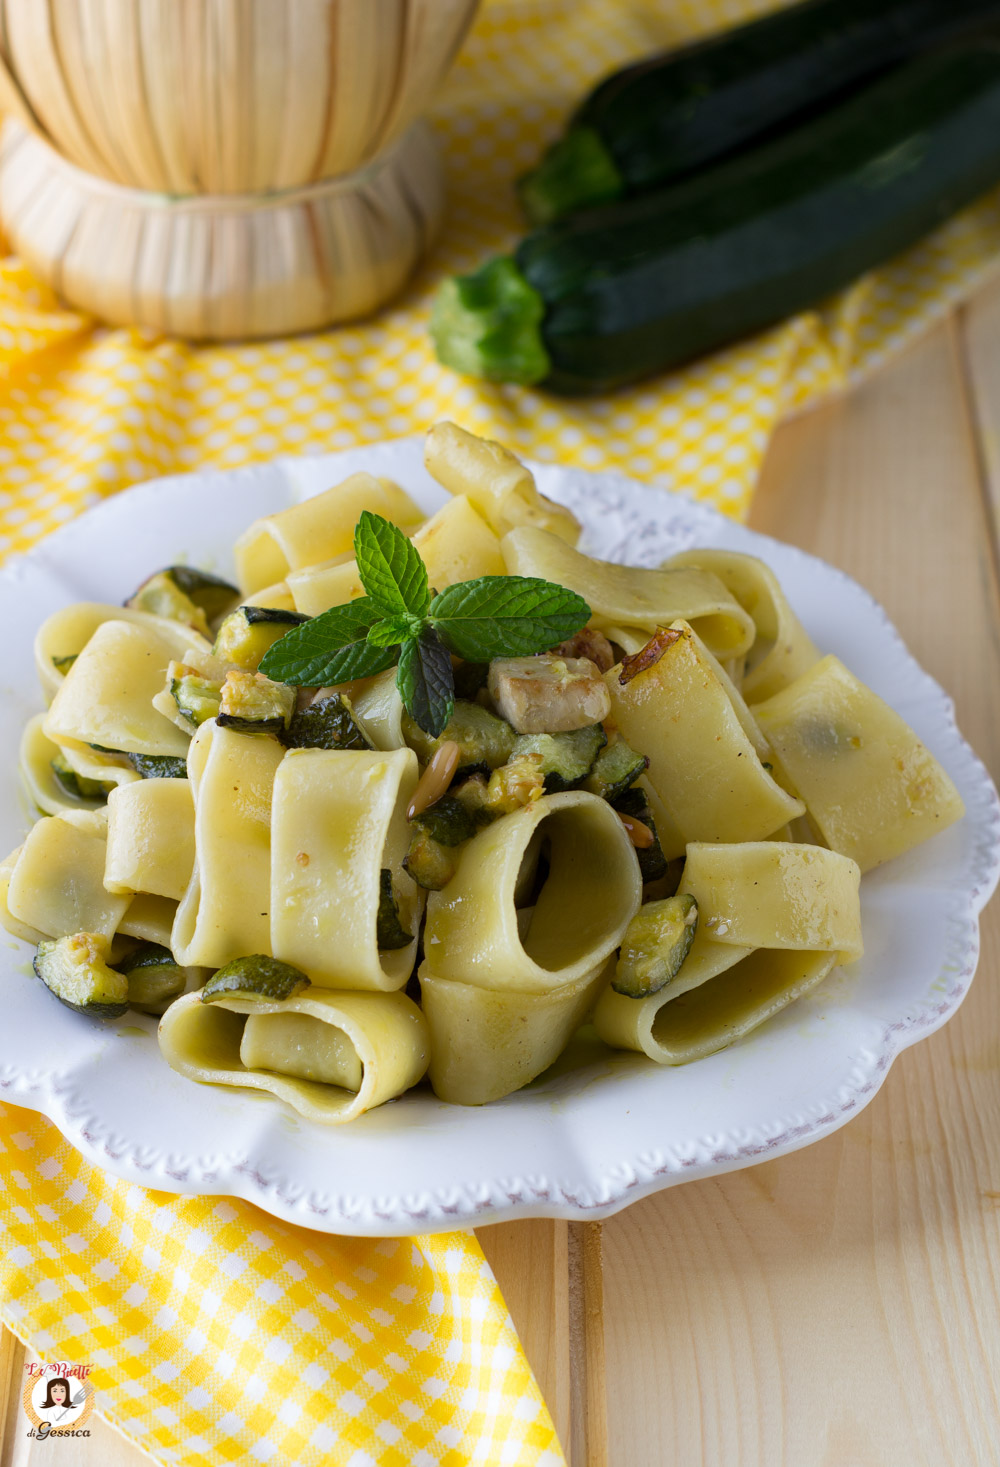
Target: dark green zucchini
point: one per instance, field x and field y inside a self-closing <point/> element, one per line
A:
<point x="254" y="976"/>
<point x="652" y="862"/>
<point x="567" y="758"/>
<point x="75" y="970"/>
<point x="249" y="631"/>
<point x="389" y="930"/>
<point x="327" y="723"/>
<point x="251" y="703"/>
<point x="591" y="305"/>
<point x="615" y="769"/>
<point x="184" y="594"/>
<point x="154" y="978"/>
<point x="157" y="766"/>
<point x="484" y="740"/>
<point x="658" y="119"/>
<point x="197" y="697"/>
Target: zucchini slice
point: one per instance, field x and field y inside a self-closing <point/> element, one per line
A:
<point x="327" y="723"/>
<point x="567" y="758"/>
<point x="153" y="977"/>
<point x="429" y="862"/>
<point x="211" y="593"/>
<point x="652" y="861"/>
<point x="63" y="664"/>
<point x="156" y="766"/>
<point x="615" y="769"/>
<point x="160" y="595"/>
<point x="78" y="786"/>
<point x="656" y="942"/>
<point x="75" y="969"/>
<point x="254" y="976"/>
<point x="247" y="633"/>
<point x="390" y="932"/>
<point x="252" y="703"/>
<point x="197" y="697"/>
<point x="438" y="833"/>
<point x="484" y="740"/>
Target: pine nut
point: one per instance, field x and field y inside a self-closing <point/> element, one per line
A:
<point x="435" y="779"/>
<point x="640" y="835"/>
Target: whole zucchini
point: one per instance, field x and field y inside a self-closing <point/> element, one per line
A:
<point x="656" y="120"/>
<point x="598" y="302"/>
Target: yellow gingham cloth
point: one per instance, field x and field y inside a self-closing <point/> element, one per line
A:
<point x="219" y="1335"/>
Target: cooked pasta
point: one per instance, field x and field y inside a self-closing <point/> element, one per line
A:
<point x="659" y="822"/>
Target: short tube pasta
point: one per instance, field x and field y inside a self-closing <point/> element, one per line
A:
<point x="317" y="529"/>
<point x="592" y="893"/>
<point x="151" y="838"/>
<point x="57" y="885"/>
<point x="386" y="1032"/>
<point x="339" y="820"/>
<point x="487" y="1042"/>
<point x="66" y="632"/>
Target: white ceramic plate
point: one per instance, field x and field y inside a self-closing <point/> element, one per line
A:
<point x="593" y="1135"/>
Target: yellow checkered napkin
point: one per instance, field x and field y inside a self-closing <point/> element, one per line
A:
<point x="218" y="1334"/>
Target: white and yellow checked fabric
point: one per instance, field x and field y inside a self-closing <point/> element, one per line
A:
<point x="218" y="1334"/>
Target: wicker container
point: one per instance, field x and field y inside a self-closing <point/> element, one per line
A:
<point x="224" y="96"/>
<point x="222" y="168"/>
<point x="225" y="266"/>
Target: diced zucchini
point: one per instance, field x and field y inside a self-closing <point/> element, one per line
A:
<point x="656" y="942"/>
<point x="615" y="769"/>
<point x="197" y="697"/>
<point x="254" y="976"/>
<point x="182" y="593"/>
<point x="652" y="862"/>
<point x="154" y="978"/>
<point x="438" y="832"/>
<point x="211" y="593"/>
<point x="567" y="758"/>
<point x="448" y="821"/>
<point x="63" y="664"/>
<point x="429" y="862"/>
<point x="249" y="631"/>
<point x="160" y="595"/>
<point x="485" y="741"/>
<point x="390" y="932"/>
<point x="75" y="969"/>
<point x="328" y="723"/>
<point x="156" y="766"/>
<point x="252" y="703"/>
<point x="77" y="785"/>
<point x="517" y="783"/>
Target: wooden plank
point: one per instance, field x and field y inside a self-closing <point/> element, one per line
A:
<point x="11" y="1377"/>
<point x="839" y="1307"/>
<point x="531" y="1264"/>
<point x="979" y="332"/>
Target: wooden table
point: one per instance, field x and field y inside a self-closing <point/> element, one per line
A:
<point x="839" y="1307"/>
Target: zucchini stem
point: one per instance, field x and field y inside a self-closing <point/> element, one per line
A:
<point x="488" y="324"/>
<point x="577" y="172"/>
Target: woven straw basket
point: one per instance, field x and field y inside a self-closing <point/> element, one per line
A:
<point x="222" y="168"/>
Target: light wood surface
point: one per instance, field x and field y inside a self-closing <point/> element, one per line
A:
<point x="838" y="1307"/>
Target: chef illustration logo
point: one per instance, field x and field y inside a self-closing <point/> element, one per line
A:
<point x="58" y="1399"/>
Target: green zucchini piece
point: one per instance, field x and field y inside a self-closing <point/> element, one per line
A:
<point x="63" y="664"/>
<point x="593" y="304"/>
<point x="327" y="723"/>
<point x="484" y="740"/>
<point x="78" y="785"/>
<point x="254" y="976"/>
<point x="75" y="970"/>
<point x="211" y="593"/>
<point x="155" y="766"/>
<point x="160" y="595"/>
<point x="197" y="697"/>
<point x="448" y="821"/>
<point x="252" y="703"/>
<point x="660" y="118"/>
<point x="652" y="862"/>
<point x="616" y="768"/>
<point x="567" y="758"/>
<point x="247" y="633"/>
<point x="429" y="862"/>
<point x="390" y="932"/>
<point x="656" y="942"/>
<point x="154" y="978"/>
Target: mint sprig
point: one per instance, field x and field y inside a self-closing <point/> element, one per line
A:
<point x="400" y="621"/>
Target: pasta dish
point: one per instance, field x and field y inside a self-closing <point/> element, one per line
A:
<point x="421" y="796"/>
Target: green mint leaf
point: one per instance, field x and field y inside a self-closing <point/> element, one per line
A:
<point x="331" y="648"/>
<point x="390" y="567"/>
<point x="425" y="682"/>
<point x="395" y="629"/>
<point x="506" y="616"/>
